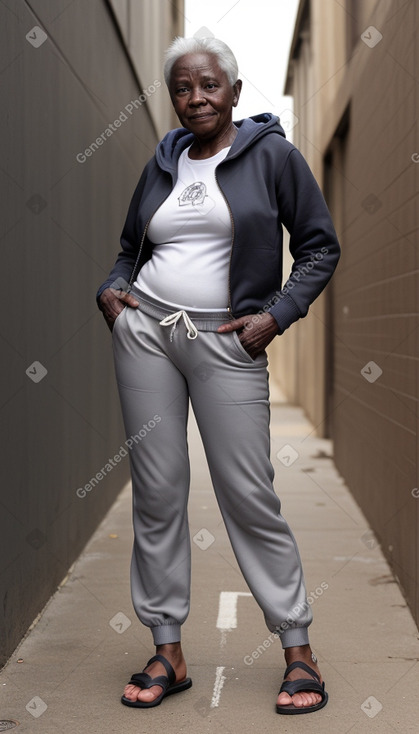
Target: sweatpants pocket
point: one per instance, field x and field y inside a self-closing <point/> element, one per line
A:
<point x="240" y="348"/>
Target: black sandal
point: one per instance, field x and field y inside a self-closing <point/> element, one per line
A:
<point x="302" y="684"/>
<point x="168" y="685"/>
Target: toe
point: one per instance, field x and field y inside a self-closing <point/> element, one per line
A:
<point x="134" y="693"/>
<point x="149" y="694"/>
<point x="299" y="700"/>
<point x="306" y="698"/>
<point x="284" y="699"/>
<point x="131" y="692"/>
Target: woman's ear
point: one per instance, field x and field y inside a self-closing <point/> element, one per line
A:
<point x="237" y="88"/>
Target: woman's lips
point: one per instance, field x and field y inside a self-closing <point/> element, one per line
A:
<point x="202" y="117"/>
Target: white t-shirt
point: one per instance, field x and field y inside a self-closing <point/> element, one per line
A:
<point x="191" y="233"/>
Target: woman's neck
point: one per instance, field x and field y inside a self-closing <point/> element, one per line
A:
<point x="202" y="148"/>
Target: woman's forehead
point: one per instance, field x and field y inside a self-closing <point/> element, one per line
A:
<point x="201" y="64"/>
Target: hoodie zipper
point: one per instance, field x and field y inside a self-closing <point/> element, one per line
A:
<point x="229" y="308"/>
<point x="131" y="280"/>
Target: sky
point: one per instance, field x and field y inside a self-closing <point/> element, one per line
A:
<point x="259" y="32"/>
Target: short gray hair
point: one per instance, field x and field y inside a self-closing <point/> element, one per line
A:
<point x="181" y="46"/>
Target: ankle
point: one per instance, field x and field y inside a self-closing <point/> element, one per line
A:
<point x="303" y="652"/>
<point x="171" y="649"/>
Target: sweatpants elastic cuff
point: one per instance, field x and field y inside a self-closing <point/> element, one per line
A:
<point x="164" y="634"/>
<point x="294" y="637"/>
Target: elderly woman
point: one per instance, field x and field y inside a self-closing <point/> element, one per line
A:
<point x="193" y="300"/>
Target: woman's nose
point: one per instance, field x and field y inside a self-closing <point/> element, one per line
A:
<point x="197" y="97"/>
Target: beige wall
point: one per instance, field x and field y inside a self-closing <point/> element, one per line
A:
<point x="358" y="107"/>
<point x="299" y="356"/>
<point x="137" y="21"/>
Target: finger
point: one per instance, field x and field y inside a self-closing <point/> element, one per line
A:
<point x="111" y="311"/>
<point x="234" y="325"/>
<point x="130" y="300"/>
<point x="127" y="298"/>
<point x="256" y="343"/>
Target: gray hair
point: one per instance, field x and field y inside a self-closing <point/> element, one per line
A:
<point x="181" y="46"/>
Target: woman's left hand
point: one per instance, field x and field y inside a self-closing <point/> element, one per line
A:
<point x="255" y="331"/>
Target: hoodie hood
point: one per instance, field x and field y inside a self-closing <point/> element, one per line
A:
<point x="249" y="130"/>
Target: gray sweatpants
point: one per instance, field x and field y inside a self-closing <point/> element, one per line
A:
<point x="158" y="369"/>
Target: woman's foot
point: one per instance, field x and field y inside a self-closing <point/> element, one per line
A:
<point x="173" y="653"/>
<point x="303" y="698"/>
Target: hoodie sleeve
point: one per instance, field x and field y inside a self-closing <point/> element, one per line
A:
<point x="130" y="241"/>
<point x="313" y="241"/>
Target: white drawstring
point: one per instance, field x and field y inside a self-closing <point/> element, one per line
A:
<point x="174" y="318"/>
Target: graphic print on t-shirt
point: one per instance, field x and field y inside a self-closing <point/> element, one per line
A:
<point x="194" y="194"/>
<point x="191" y="234"/>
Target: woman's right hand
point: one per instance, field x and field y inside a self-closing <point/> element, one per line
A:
<point x="113" y="301"/>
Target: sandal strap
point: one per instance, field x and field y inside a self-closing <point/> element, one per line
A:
<point x="302" y="684"/>
<point x="144" y="680"/>
<point x="169" y="669"/>
<point x="303" y="666"/>
<point x="139" y="679"/>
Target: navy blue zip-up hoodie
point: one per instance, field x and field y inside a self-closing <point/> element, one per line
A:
<point x="266" y="182"/>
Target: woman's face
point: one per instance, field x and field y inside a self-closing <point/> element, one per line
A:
<point x="202" y="95"/>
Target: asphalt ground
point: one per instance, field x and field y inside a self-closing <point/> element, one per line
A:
<point x="69" y="672"/>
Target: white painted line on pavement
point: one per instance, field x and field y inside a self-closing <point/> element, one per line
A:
<point x="359" y="559"/>
<point x="227" y="609"/>
<point x="226" y="621"/>
<point x="218" y="685"/>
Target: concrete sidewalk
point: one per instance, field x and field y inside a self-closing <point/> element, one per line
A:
<point x="69" y="672"/>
